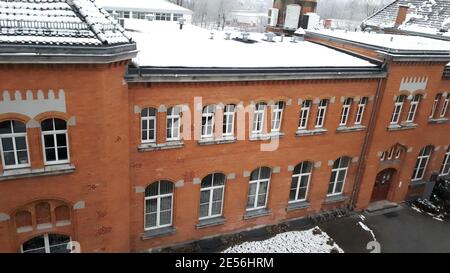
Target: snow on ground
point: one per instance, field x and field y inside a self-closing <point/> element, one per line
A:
<point x="305" y="241"/>
<point x="163" y="44"/>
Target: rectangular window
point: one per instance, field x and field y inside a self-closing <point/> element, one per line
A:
<point x="228" y="120"/>
<point x="346" y="111"/>
<point x="55" y="140"/>
<point x="397" y="110"/>
<point x="208" y="121"/>
<point x="361" y="108"/>
<point x="14" y="145"/>
<point x="304" y="114"/>
<point x="445" y="170"/>
<point x="258" y="118"/>
<point x="148" y="125"/>
<point x="421" y="164"/>
<point x="177" y="16"/>
<point x="158" y="211"/>
<point x="126" y="14"/>
<point x="338" y="176"/>
<point x="445" y="107"/>
<point x="436" y="101"/>
<point x="413" y="108"/>
<point x="321" y="112"/>
<point x="173" y="124"/>
<point x="162" y="16"/>
<point x="277" y="116"/>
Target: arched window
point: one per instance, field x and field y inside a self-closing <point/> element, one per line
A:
<point x="258" y="188"/>
<point x="258" y="118"/>
<point x="208" y="121"/>
<point x="445" y="170"/>
<point x="277" y="116"/>
<point x="304" y="114"/>
<point x="158" y="205"/>
<point x="228" y="120"/>
<point x="397" y="109"/>
<point x="338" y="176"/>
<point x="173" y="123"/>
<point x="56" y="143"/>
<point x="422" y="163"/>
<point x="148" y="125"/>
<point x="211" y="195"/>
<point x="300" y="182"/>
<point x="47" y="243"/>
<point x="413" y="108"/>
<point x="14" y="145"/>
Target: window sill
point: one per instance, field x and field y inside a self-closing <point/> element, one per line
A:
<point x="298" y="205"/>
<point x="438" y="120"/>
<point x="159" y="232"/>
<point x="256" y="213"/>
<point x="269" y="136"/>
<point x="161" y="146"/>
<point x="417" y="183"/>
<point x="356" y="128"/>
<point x="390" y="161"/>
<point x="314" y="132"/>
<point x="210" y="222"/>
<point x="404" y="126"/>
<point x="28" y="172"/>
<point x="212" y="141"/>
<point x="335" y="199"/>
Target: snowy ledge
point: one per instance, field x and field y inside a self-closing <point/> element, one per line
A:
<point x="405" y="126"/>
<point x="268" y="136"/>
<point x="29" y="172"/>
<point x="161" y="146"/>
<point x="438" y="120"/>
<point x="256" y="213"/>
<point x="210" y="222"/>
<point x="212" y="141"/>
<point x="355" y="128"/>
<point x="314" y="132"/>
<point x="160" y="232"/>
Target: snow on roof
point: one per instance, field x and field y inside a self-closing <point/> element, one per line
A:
<point x="424" y="16"/>
<point x="163" y="44"/>
<point x="61" y="22"/>
<point x="142" y="5"/>
<point x="396" y="42"/>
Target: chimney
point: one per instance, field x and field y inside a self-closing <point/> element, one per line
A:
<point x="401" y="15"/>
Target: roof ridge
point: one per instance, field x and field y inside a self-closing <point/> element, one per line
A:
<point x="380" y="10"/>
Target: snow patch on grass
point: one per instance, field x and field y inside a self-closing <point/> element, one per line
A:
<point x="308" y="241"/>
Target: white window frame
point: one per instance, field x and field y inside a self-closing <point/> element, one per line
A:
<point x="258" y="118"/>
<point x="172" y="117"/>
<point x="47" y="244"/>
<point x="361" y="108"/>
<point x="445" y="170"/>
<point x="228" y="120"/>
<point x="422" y="157"/>
<point x="338" y="170"/>
<point x="258" y="183"/>
<point x="277" y="116"/>
<point x="211" y="194"/>
<point x="383" y="156"/>
<point x="436" y="101"/>
<point x="54" y="133"/>
<point x="445" y="107"/>
<point x="398" y="153"/>
<point x="208" y="114"/>
<point x="158" y="208"/>
<point x="398" y="106"/>
<point x="147" y="119"/>
<point x="391" y="153"/>
<point x="345" y="113"/>
<point x="298" y="177"/>
<point x="414" y="105"/>
<point x="304" y="114"/>
<point x="321" y="113"/>
<point x="13" y="135"/>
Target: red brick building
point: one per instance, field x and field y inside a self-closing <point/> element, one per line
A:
<point x="201" y="134"/>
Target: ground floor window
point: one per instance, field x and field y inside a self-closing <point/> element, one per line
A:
<point x="47" y="243"/>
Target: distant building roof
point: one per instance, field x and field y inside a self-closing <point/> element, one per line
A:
<point x="429" y="17"/>
<point x="142" y="5"/>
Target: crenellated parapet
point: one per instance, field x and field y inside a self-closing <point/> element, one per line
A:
<point x="413" y="84"/>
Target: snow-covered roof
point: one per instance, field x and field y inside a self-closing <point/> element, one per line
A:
<point x="143" y="6"/>
<point x="163" y="44"/>
<point x="424" y="16"/>
<point x="389" y="41"/>
<point x="58" y="22"/>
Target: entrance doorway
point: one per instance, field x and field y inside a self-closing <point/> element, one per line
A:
<point x="382" y="185"/>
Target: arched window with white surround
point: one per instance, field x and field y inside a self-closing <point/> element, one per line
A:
<point x="413" y="108"/>
<point x="258" y="118"/>
<point x="48" y="243"/>
<point x="228" y="120"/>
<point x="445" y="169"/>
<point x="277" y="116"/>
<point x="208" y="121"/>
<point x="300" y="182"/>
<point x="211" y="196"/>
<point x="422" y="163"/>
<point x="148" y="125"/>
<point x="338" y="176"/>
<point x="14" y="145"/>
<point x="398" y="105"/>
<point x="258" y="188"/>
<point x="158" y="205"/>
<point x="55" y="140"/>
<point x="173" y="123"/>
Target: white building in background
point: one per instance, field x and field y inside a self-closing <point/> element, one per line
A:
<point x="160" y="10"/>
<point x="250" y="18"/>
